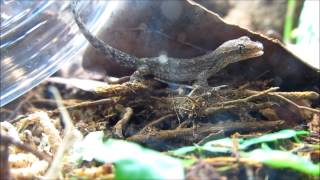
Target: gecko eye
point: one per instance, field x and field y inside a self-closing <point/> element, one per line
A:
<point x="241" y="48"/>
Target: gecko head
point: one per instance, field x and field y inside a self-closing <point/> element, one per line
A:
<point x="241" y="49"/>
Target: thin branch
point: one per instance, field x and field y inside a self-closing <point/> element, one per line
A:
<point x="155" y="122"/>
<point x="107" y="101"/>
<point x="6" y="139"/>
<point x="4" y="157"/>
<point x="69" y="138"/>
<point x="249" y="98"/>
<point x="123" y="122"/>
<point x="296" y="105"/>
<point x="291" y="95"/>
<point x="187" y="134"/>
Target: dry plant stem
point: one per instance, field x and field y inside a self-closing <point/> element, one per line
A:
<point x="107" y="101"/>
<point x="4" y="159"/>
<point x="125" y="89"/>
<point x="41" y="102"/>
<point x="69" y="139"/>
<point x="101" y="172"/>
<point x="212" y="136"/>
<point x="184" y="124"/>
<point x="188" y="133"/>
<point x="200" y="6"/>
<point x="157" y="121"/>
<point x="249" y="98"/>
<point x="4" y="114"/>
<point x="226" y="160"/>
<point x="53" y="134"/>
<point x="235" y="146"/>
<point x="121" y="124"/>
<point x="291" y="95"/>
<point x="4" y="110"/>
<point x="296" y="105"/>
<point x="20" y="104"/>
<point x="248" y="106"/>
<point x="8" y="140"/>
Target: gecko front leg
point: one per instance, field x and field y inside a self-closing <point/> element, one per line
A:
<point x="202" y="79"/>
<point x="139" y="74"/>
<point x="201" y="85"/>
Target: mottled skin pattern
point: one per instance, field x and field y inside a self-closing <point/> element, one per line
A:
<point x="197" y="69"/>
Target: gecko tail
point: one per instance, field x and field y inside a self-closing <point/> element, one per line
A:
<point x="117" y="55"/>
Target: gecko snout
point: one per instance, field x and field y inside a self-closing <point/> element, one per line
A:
<point x="249" y="48"/>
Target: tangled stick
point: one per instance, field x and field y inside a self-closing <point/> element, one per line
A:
<point x="280" y="95"/>
<point x="296" y="105"/>
<point x="125" y="89"/>
<point x="70" y="136"/>
<point x="187" y="134"/>
<point x="4" y="159"/>
<point x="291" y="95"/>
<point x="107" y="101"/>
<point x="155" y="122"/>
<point x="286" y="96"/>
<point x="123" y="122"/>
<point x="8" y="140"/>
<point x="249" y="106"/>
<point x="249" y="98"/>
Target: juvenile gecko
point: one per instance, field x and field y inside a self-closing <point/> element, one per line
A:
<point x="197" y="69"/>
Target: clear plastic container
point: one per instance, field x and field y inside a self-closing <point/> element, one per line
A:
<point x="37" y="37"/>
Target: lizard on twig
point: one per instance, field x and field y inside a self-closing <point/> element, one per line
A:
<point x="177" y="70"/>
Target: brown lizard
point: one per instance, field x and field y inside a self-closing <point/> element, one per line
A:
<point x="177" y="70"/>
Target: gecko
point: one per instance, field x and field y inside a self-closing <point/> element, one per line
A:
<point x="194" y="70"/>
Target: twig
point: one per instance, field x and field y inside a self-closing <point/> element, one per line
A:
<point x="184" y="124"/>
<point x="20" y="104"/>
<point x="212" y="136"/>
<point x="8" y="140"/>
<point x="70" y="136"/>
<point x="296" y="105"/>
<point x="4" y="110"/>
<point x="107" y="101"/>
<point x="249" y="106"/>
<point x="176" y="112"/>
<point x="187" y="134"/>
<point x="124" y="89"/>
<point x="226" y="160"/>
<point x="50" y="103"/>
<point x="123" y="122"/>
<point x="291" y="95"/>
<point x="4" y="157"/>
<point x="211" y="109"/>
<point x="192" y="2"/>
<point x="155" y="122"/>
<point x="53" y="134"/>
<point x="249" y="98"/>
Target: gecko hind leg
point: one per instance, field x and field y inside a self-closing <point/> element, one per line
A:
<point x="138" y="75"/>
